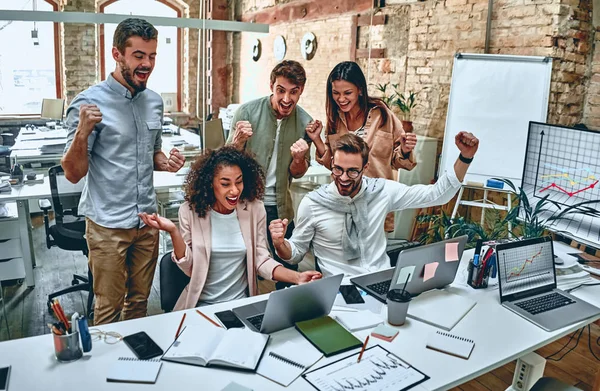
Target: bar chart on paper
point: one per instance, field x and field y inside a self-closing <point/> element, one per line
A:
<point x="563" y="165"/>
<point x="524" y="268"/>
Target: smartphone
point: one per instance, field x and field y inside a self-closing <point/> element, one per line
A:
<point x="4" y="374"/>
<point x="143" y="346"/>
<point x="229" y="319"/>
<point x="351" y="294"/>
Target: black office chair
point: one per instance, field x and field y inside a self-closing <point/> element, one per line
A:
<point x="68" y="232"/>
<point x="550" y="384"/>
<point x="172" y="282"/>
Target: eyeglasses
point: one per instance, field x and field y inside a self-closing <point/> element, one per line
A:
<point x="109" y="337"/>
<point x="352" y="173"/>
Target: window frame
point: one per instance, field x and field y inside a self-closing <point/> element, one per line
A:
<point x="173" y="6"/>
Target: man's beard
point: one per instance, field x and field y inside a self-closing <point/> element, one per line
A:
<point x="127" y="74"/>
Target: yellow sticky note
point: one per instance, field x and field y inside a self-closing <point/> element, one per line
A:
<point x="451" y="252"/>
<point x="430" y="269"/>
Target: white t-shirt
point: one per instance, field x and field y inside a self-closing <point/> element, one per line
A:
<point x="227" y="277"/>
<point x="270" y="196"/>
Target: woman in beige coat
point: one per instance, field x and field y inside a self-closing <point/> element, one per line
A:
<point x="221" y="242"/>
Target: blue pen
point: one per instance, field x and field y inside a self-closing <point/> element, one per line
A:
<point x="84" y="333"/>
<point x="475" y="259"/>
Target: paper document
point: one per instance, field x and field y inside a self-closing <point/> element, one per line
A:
<point x="284" y="363"/>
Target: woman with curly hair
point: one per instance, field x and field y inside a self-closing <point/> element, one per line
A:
<point x="221" y="243"/>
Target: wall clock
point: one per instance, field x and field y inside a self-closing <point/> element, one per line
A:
<point x="279" y="48"/>
<point x="308" y="46"/>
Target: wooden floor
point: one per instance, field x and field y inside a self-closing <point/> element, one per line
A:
<point x="28" y="316"/>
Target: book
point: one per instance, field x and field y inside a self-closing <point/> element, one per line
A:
<point x="440" y="308"/>
<point x="328" y="336"/>
<point x="284" y="363"/>
<point x="451" y="344"/>
<point x="358" y="320"/>
<point x="208" y="345"/>
<point x="132" y="370"/>
<point x="384" y="332"/>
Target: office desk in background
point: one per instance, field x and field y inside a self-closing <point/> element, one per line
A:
<point x="500" y="337"/>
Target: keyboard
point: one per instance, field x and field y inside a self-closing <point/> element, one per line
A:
<point x="256" y="320"/>
<point x="545" y="303"/>
<point x="381" y="288"/>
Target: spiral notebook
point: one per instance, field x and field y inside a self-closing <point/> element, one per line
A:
<point x="451" y="344"/>
<point x="132" y="370"/>
<point x="284" y="363"/>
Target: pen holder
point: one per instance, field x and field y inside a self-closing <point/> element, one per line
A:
<point x="476" y="278"/>
<point x="67" y="347"/>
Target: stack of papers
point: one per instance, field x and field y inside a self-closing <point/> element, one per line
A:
<point x="571" y="275"/>
<point x="358" y="320"/>
<point x="5" y="187"/>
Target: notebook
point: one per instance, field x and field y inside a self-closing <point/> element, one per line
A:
<point x="440" y="308"/>
<point x="358" y="320"/>
<point x="451" y="344"/>
<point x="384" y="332"/>
<point x="208" y="345"/>
<point x="132" y="370"/>
<point x="327" y="335"/>
<point x="286" y="362"/>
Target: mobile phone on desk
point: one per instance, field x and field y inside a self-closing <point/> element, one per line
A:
<point x="229" y="319"/>
<point x="351" y="294"/>
<point x="4" y="375"/>
<point x="143" y="346"/>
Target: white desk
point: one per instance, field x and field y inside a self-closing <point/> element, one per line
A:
<point x="500" y="337"/>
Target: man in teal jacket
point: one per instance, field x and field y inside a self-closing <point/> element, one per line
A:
<point x="274" y="129"/>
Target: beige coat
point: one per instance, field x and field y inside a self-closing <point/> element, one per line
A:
<point x="385" y="155"/>
<point x="196" y="233"/>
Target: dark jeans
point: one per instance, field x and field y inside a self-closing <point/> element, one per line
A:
<point x="273" y="215"/>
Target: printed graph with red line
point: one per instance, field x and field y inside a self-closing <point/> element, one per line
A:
<point x="524" y="268"/>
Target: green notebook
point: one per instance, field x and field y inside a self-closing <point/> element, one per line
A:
<point x="328" y="336"/>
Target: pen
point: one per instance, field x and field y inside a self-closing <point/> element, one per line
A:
<point x="209" y="319"/>
<point x="180" y="324"/>
<point x="363" y="349"/>
<point x="475" y="259"/>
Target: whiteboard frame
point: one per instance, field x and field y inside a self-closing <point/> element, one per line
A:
<point x="448" y="151"/>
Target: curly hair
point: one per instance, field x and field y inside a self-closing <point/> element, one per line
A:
<point x="199" y="192"/>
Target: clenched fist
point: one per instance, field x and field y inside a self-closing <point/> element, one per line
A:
<point x="243" y="131"/>
<point x="408" y="141"/>
<point x="175" y="161"/>
<point x="298" y="150"/>
<point x="278" y="229"/>
<point x="467" y="144"/>
<point x="89" y="116"/>
<point x="313" y="129"/>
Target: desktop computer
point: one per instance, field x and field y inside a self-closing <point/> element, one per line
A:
<point x="53" y="109"/>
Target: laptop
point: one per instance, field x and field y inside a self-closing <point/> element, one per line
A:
<point x="527" y="285"/>
<point x="214" y="136"/>
<point x="287" y="306"/>
<point x="413" y="261"/>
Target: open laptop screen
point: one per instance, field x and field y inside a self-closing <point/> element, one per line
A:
<point x="525" y="268"/>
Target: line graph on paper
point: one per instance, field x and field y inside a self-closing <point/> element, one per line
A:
<point x="563" y="164"/>
<point x="527" y="267"/>
<point x="377" y="370"/>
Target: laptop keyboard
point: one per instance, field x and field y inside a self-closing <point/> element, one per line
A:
<point x="544" y="303"/>
<point x="381" y="288"/>
<point x="256" y="320"/>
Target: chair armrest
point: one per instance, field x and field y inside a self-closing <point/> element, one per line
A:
<point x="44" y="205"/>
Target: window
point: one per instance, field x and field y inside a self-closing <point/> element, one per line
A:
<point x="165" y="77"/>
<point x="29" y="61"/>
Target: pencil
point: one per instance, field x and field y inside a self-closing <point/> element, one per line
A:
<point x="209" y="319"/>
<point x="180" y="324"/>
<point x="363" y="349"/>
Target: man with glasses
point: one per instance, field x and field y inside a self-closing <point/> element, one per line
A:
<point x="343" y="221"/>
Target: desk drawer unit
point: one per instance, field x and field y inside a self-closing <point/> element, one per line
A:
<point x="9" y="229"/>
<point x="10" y="248"/>
<point x="12" y="269"/>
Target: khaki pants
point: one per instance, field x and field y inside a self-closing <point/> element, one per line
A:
<point x="122" y="262"/>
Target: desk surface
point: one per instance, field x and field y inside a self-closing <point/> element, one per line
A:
<point x="500" y="336"/>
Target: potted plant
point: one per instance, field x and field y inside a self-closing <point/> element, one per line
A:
<point x="388" y="100"/>
<point x="406" y="104"/>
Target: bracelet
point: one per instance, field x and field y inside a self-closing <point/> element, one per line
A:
<point x="465" y="159"/>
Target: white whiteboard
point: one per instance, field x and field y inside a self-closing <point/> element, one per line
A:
<point x="494" y="97"/>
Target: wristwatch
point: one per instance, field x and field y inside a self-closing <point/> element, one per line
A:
<point x="465" y="159"/>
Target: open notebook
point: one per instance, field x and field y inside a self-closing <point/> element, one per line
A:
<point x="284" y="363"/>
<point x="209" y="345"/>
<point x="132" y="370"/>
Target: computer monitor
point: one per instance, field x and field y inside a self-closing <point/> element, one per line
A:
<point x="53" y="109"/>
<point x="169" y="101"/>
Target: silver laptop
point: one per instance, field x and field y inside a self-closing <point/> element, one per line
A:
<point x="527" y="284"/>
<point x="288" y="306"/>
<point x="413" y="261"/>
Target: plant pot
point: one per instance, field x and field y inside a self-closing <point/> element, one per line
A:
<point x="407" y="126"/>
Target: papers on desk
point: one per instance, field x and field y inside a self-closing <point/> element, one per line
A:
<point x="358" y="320"/>
<point x="284" y="363"/>
<point x="36" y="135"/>
<point x="5" y="187"/>
<point x="571" y="275"/>
<point x="132" y="370"/>
<point x="440" y="308"/>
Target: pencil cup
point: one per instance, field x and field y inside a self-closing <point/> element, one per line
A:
<point x="476" y="278"/>
<point x="67" y="347"/>
<point x="397" y="306"/>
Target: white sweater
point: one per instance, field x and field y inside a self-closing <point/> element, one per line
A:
<point x="322" y="227"/>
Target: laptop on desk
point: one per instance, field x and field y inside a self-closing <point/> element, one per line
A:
<point x="413" y="261"/>
<point x="527" y="285"/>
<point x="287" y="306"/>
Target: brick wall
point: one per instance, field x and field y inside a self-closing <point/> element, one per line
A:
<point x="592" y="104"/>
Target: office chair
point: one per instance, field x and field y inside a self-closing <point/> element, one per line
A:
<point x="68" y="232"/>
<point x="172" y="282"/>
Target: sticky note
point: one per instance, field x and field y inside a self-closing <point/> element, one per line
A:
<point x="451" y="252"/>
<point x="430" y="269"/>
<point x="404" y="272"/>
